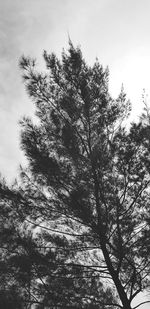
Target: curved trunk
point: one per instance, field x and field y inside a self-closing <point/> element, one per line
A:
<point x="122" y="294"/>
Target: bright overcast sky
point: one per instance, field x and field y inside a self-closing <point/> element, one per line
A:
<point x="115" y="31"/>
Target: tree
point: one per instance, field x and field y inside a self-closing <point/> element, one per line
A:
<point x="35" y="268"/>
<point x="85" y="193"/>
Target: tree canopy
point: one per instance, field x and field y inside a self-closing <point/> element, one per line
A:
<point x="75" y="228"/>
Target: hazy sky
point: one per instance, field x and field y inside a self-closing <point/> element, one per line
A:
<point x="115" y="31"/>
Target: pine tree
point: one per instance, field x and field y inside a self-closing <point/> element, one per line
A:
<point x="84" y="197"/>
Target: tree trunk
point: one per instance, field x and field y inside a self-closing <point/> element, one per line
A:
<point x="122" y="294"/>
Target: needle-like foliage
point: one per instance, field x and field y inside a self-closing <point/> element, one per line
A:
<point x="82" y="208"/>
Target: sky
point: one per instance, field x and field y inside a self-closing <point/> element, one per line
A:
<point x="117" y="32"/>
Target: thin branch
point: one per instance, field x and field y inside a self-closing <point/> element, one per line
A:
<point x="56" y="231"/>
<point x="145" y="302"/>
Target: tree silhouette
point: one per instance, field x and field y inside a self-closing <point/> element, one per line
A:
<point x="82" y="205"/>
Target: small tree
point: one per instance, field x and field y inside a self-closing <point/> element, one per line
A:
<point x="86" y="187"/>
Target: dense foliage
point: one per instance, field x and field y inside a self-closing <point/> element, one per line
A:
<point x="75" y="228"/>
